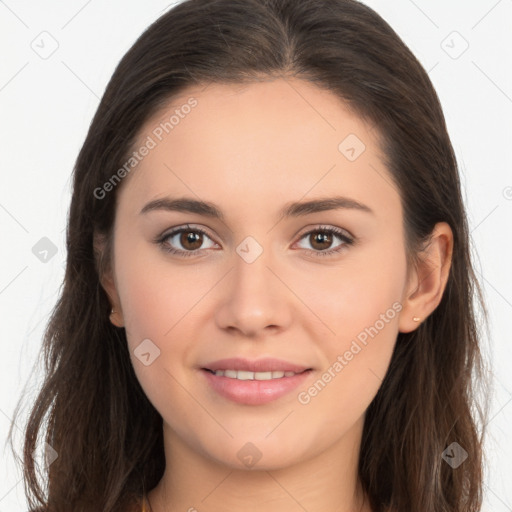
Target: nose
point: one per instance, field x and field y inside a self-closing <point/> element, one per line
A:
<point x="254" y="300"/>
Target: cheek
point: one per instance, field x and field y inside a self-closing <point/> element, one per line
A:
<point x="162" y="303"/>
<point x="355" y="363"/>
<point x="343" y="390"/>
<point x="359" y="302"/>
<point x="158" y="308"/>
<point x="155" y="296"/>
<point x="353" y="295"/>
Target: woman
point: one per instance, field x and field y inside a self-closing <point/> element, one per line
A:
<point x="268" y="299"/>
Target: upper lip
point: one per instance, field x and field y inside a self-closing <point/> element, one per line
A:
<point x="266" y="364"/>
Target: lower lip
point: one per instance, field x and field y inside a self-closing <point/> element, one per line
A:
<point x="254" y="392"/>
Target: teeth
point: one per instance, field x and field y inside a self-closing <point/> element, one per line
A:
<point x="245" y="375"/>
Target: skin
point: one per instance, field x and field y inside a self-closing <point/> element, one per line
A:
<point x="250" y="150"/>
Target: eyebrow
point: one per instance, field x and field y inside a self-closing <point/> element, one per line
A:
<point x="291" y="209"/>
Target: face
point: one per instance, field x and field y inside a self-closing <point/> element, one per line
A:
<point x="299" y="257"/>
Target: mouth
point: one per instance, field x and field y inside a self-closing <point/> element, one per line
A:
<point x="254" y="387"/>
<point x="261" y="376"/>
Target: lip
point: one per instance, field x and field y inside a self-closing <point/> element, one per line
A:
<point x="254" y="392"/>
<point x="266" y="364"/>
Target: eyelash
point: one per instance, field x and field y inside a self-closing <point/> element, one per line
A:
<point x="320" y="229"/>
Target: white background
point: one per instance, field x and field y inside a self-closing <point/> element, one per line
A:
<point x="47" y="105"/>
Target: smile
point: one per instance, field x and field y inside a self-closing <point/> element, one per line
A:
<point x="246" y="375"/>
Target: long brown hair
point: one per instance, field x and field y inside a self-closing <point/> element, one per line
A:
<point x="91" y="408"/>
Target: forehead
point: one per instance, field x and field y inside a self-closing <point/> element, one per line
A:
<point x="267" y="139"/>
<point x="270" y="112"/>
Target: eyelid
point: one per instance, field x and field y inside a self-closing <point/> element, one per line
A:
<point x="325" y="227"/>
<point x="184" y="227"/>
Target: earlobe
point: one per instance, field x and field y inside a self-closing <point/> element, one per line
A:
<point x="106" y="278"/>
<point x="114" y="318"/>
<point x="428" y="280"/>
<point x="116" y="313"/>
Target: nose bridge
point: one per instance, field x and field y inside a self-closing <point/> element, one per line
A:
<point x="252" y="300"/>
<point x="251" y="275"/>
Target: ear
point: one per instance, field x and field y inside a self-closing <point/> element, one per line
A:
<point x="102" y="255"/>
<point x="428" y="279"/>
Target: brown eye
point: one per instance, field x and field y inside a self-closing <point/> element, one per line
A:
<point x="186" y="241"/>
<point x="320" y="240"/>
<point x="191" y="240"/>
